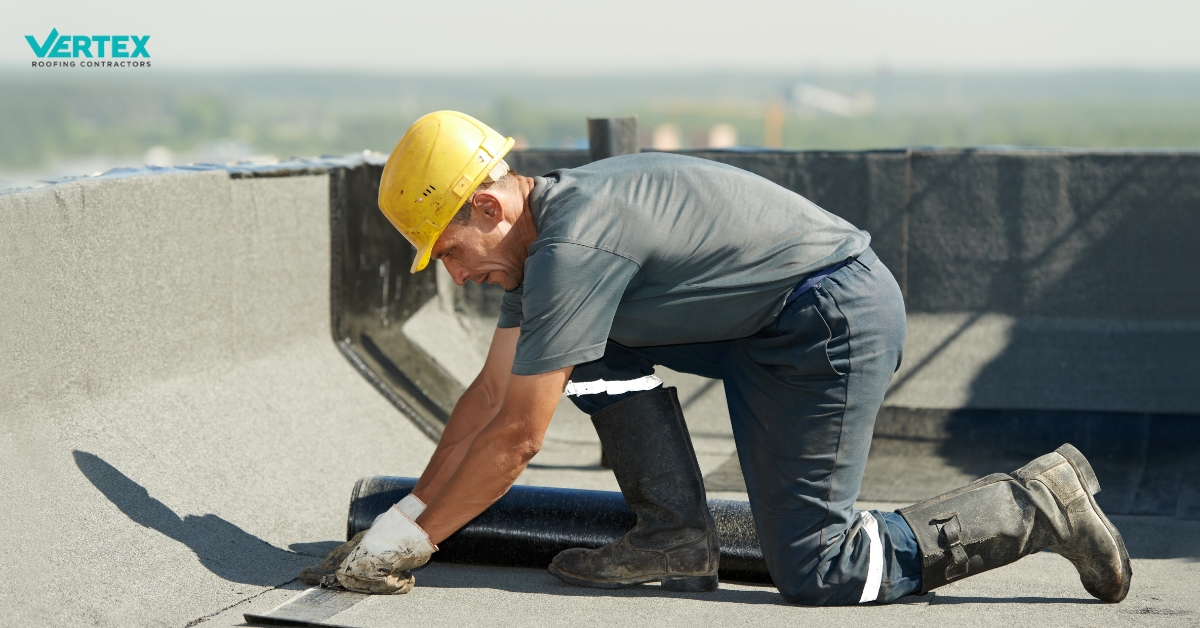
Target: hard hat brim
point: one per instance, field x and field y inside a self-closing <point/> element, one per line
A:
<point x="421" y="259"/>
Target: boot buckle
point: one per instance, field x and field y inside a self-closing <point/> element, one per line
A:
<point x="951" y="532"/>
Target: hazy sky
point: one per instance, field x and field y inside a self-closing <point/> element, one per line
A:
<point x="627" y="35"/>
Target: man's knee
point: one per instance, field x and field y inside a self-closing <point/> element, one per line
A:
<point x="595" y="395"/>
<point x="600" y="383"/>
<point x="819" y="573"/>
<point x="877" y="560"/>
<point x="812" y="590"/>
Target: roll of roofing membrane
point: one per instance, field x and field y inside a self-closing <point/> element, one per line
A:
<point x="531" y="524"/>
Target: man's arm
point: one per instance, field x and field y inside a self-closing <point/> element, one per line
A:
<point x="498" y="454"/>
<point x="474" y="410"/>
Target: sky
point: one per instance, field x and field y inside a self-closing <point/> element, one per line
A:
<point x="622" y="36"/>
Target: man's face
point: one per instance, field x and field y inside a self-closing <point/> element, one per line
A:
<point x="484" y="250"/>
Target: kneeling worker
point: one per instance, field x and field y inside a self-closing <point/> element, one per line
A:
<point x="662" y="259"/>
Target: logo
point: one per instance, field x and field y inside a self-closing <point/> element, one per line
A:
<point x="116" y="50"/>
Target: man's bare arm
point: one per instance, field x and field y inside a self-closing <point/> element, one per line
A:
<point x="498" y="455"/>
<point x="474" y="410"/>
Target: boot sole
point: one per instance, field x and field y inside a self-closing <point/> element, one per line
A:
<point x="687" y="584"/>
<point x="1083" y="469"/>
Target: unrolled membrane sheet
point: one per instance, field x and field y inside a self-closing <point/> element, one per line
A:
<point x="531" y="524"/>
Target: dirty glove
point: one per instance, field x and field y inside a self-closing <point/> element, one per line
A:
<point x="380" y="562"/>
<point x="325" y="574"/>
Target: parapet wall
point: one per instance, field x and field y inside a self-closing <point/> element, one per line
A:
<point x="1022" y="233"/>
<point x="1034" y="280"/>
<point x="1101" y="236"/>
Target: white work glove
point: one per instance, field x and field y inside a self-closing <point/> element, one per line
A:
<point x="394" y="545"/>
<point x="411" y="505"/>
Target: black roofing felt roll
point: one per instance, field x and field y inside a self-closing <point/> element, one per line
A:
<point x="531" y="524"/>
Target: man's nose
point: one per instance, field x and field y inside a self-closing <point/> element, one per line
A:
<point x="458" y="273"/>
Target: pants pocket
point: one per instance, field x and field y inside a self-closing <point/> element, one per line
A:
<point x="802" y="345"/>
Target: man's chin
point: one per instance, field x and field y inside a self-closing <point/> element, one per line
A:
<point x="508" y="283"/>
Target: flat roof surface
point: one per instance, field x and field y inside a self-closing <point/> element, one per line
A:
<point x="179" y="437"/>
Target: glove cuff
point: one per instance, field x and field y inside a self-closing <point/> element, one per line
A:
<point x="394" y="529"/>
<point x="411" y="505"/>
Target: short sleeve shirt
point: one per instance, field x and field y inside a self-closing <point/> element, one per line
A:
<point x="660" y="249"/>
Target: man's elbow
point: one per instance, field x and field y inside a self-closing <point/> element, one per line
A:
<point x="489" y="391"/>
<point x="522" y="443"/>
<point x="526" y="447"/>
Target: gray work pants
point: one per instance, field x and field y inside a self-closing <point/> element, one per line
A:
<point x="803" y="394"/>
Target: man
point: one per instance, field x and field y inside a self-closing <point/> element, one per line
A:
<point x="659" y="259"/>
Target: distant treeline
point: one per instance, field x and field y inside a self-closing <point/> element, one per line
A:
<point x="61" y="116"/>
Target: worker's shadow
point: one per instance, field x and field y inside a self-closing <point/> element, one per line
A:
<point x="222" y="547"/>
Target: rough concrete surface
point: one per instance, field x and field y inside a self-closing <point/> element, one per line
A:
<point x="178" y="433"/>
<point x="1042" y="590"/>
<point x="179" y="436"/>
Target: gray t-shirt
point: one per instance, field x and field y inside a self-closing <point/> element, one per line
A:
<point x="660" y="249"/>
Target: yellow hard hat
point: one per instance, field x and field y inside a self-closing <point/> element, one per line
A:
<point x="436" y="166"/>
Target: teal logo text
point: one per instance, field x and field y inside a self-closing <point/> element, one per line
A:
<point x="100" y="46"/>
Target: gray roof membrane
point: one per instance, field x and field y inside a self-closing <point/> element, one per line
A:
<point x="179" y="432"/>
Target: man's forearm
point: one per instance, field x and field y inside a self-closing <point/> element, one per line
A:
<point x="474" y="410"/>
<point x="497" y="455"/>
<point x="491" y="464"/>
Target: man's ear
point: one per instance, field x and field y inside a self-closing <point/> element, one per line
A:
<point x="487" y="206"/>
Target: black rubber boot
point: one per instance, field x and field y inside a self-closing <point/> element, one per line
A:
<point x="675" y="539"/>
<point x="995" y="520"/>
